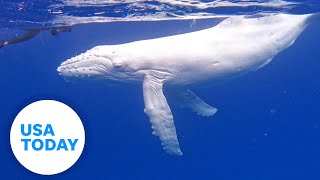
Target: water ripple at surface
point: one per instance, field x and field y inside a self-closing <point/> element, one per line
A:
<point x="44" y="13"/>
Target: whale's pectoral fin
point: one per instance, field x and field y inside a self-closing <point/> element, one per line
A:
<point x="159" y="113"/>
<point x="188" y="99"/>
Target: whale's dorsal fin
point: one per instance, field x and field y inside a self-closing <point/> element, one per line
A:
<point x="189" y="100"/>
<point x="159" y="113"/>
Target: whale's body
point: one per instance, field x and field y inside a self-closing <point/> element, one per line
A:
<point x="234" y="47"/>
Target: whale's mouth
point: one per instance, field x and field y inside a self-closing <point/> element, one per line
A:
<point x="85" y="65"/>
<point x="83" y="69"/>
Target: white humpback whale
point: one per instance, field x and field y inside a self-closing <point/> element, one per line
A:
<point x="234" y="47"/>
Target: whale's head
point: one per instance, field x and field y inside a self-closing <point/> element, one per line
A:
<point x="98" y="62"/>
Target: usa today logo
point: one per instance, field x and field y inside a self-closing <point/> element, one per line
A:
<point x="46" y="144"/>
<point x="47" y="137"/>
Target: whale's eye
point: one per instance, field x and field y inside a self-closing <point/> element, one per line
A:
<point x="118" y="66"/>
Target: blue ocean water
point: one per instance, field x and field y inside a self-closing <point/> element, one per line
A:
<point x="267" y="126"/>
